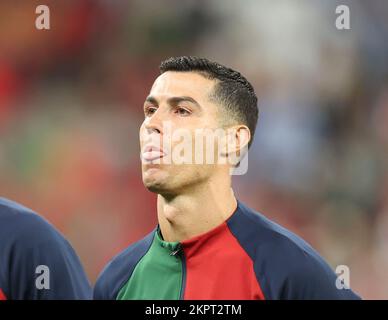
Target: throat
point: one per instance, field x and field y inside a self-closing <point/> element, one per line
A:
<point x="187" y="219"/>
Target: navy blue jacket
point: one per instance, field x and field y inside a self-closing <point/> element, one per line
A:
<point x="36" y="261"/>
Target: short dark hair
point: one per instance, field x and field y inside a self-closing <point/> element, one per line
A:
<point x="232" y="90"/>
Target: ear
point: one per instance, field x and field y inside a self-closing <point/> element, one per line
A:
<point x="236" y="144"/>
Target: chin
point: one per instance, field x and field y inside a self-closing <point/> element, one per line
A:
<point x="157" y="187"/>
<point x="154" y="179"/>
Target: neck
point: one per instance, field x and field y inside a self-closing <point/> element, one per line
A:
<point x="195" y="212"/>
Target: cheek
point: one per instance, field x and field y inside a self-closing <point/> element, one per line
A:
<point x="142" y="134"/>
<point x="142" y="127"/>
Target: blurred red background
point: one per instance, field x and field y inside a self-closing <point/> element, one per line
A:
<point x="71" y="105"/>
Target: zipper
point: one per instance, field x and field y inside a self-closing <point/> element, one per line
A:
<point x="180" y="254"/>
<point x="183" y="286"/>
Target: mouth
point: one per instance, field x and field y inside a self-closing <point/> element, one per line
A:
<point x="151" y="153"/>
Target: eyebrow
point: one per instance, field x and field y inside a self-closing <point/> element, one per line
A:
<point x="175" y="100"/>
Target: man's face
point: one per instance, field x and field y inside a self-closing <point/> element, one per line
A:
<point x="177" y="102"/>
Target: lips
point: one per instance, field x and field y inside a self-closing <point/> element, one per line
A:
<point x="151" y="153"/>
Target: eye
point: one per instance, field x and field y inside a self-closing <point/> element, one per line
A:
<point x="182" y="112"/>
<point x="149" y="111"/>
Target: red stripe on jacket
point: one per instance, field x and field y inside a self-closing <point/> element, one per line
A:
<point x="2" y="295"/>
<point x="217" y="267"/>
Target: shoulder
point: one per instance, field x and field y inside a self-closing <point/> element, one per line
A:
<point x="120" y="268"/>
<point x="28" y="241"/>
<point x="259" y="235"/>
<point x="21" y="225"/>
<point x="286" y="266"/>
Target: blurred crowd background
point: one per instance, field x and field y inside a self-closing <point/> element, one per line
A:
<point x="71" y="105"/>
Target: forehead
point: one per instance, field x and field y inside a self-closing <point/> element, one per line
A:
<point x="190" y="84"/>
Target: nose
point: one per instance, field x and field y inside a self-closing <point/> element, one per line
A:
<point x="154" y="123"/>
<point x="151" y="128"/>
